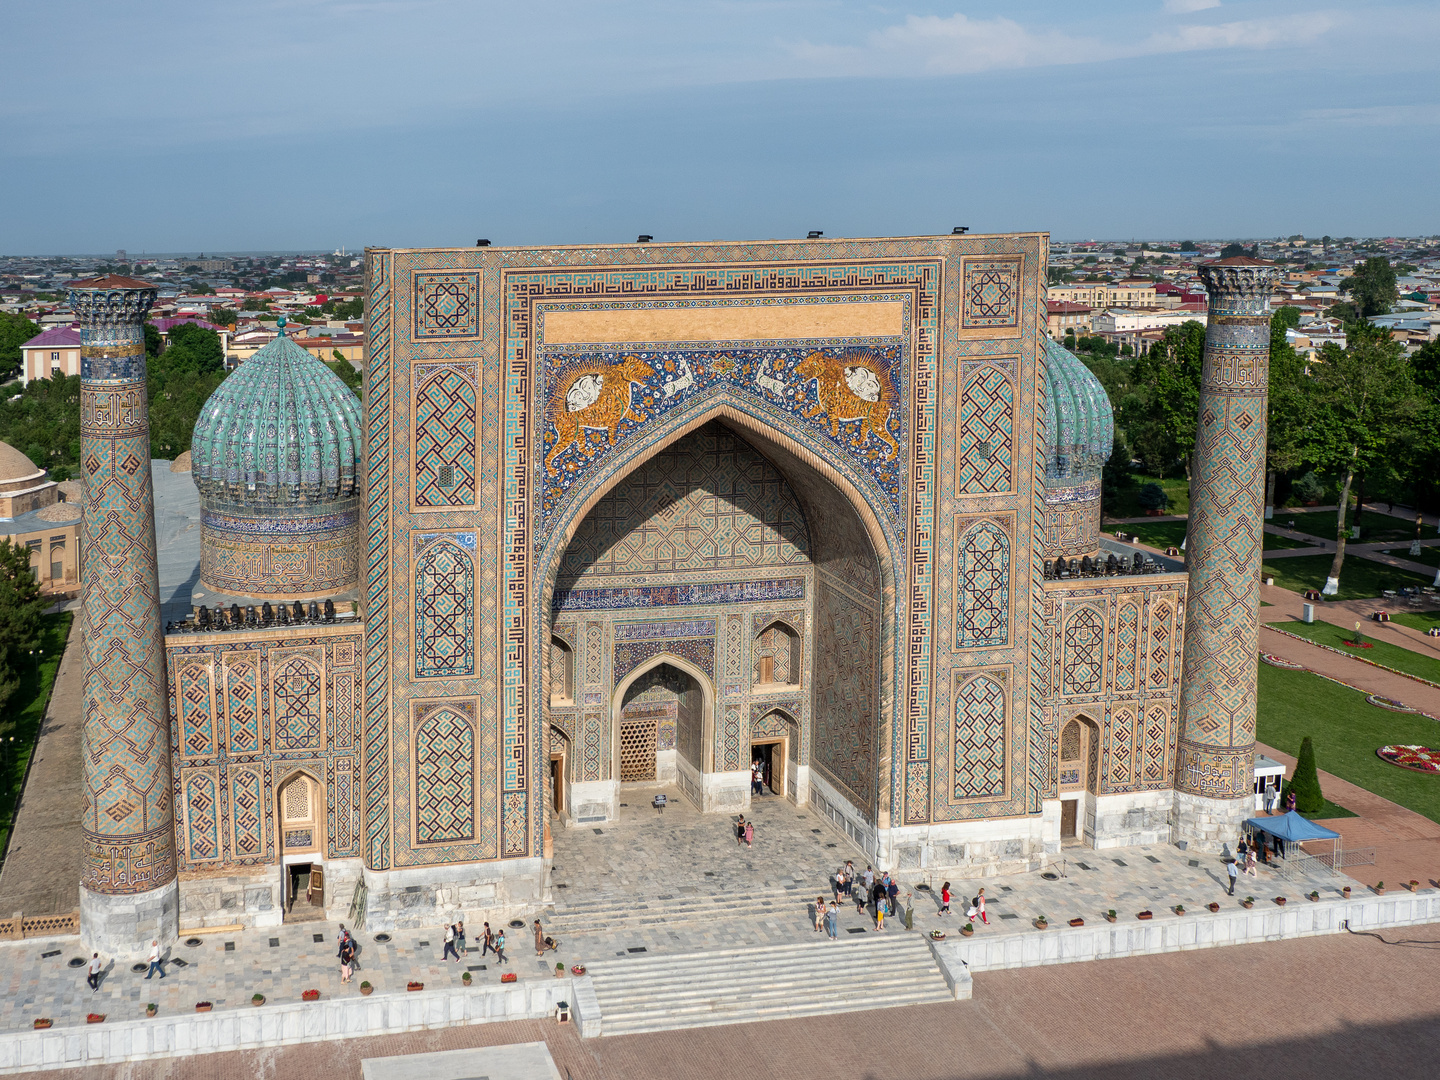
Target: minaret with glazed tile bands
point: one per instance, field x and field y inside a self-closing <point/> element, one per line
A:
<point x="129" y="894"/>
<point x="1216" y="761"/>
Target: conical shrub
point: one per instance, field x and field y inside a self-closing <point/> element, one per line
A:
<point x="1305" y="781"/>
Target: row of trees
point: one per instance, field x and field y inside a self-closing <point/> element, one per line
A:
<point x="1366" y="415"/>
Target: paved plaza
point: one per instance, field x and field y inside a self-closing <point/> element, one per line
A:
<point x="646" y="884"/>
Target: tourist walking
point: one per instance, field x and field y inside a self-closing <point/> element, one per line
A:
<point x="740" y="830"/>
<point x="487" y="941"/>
<point x="1233" y="869"/>
<point x="93" y="973"/>
<point x="539" y="939"/>
<point x="450" y="945"/>
<point x="1250" y="863"/>
<point x="945" y="899"/>
<point x="749" y="834"/>
<point x="460" y="939"/>
<point x="819" y="913"/>
<point x="500" y="947"/>
<point x="347" y="960"/>
<point x="155" y="961"/>
<point x="980" y="908"/>
<point x="832" y="922"/>
<point x="860" y="897"/>
<point x="892" y="894"/>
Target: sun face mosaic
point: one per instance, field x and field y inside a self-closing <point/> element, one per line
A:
<point x="847" y="395"/>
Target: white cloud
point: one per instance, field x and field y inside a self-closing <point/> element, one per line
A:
<point x="1185" y="7"/>
<point x="960" y="45"/>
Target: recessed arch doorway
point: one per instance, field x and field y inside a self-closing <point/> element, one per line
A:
<point x="1079" y="778"/>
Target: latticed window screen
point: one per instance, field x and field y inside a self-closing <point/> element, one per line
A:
<point x="445" y="476"/>
<point x="637" y="750"/>
<point x="1070" y="742"/>
<point x="297" y="800"/>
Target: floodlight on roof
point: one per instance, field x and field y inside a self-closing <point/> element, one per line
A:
<point x="644" y="238"/>
<point x="814" y="234"/>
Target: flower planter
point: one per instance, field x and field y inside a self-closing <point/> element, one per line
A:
<point x="1414" y="886"/>
<point x="1313" y="896"/>
<point x="151" y="1010"/>
<point x="1247" y="903"/>
<point x="560" y="971"/>
<point x="937" y="935"/>
<point x="43" y="1022"/>
<point x="1179" y="909"/>
<point x="1280" y="901"/>
<point x="1142" y="916"/>
<point x="967" y="931"/>
<point x="366" y="989"/>
<point x="310" y="995"/>
<point x="258" y="1000"/>
<point x="1041" y="924"/>
<point x="1214" y="907"/>
<point x="577" y="969"/>
<point x="203" y="1006"/>
<point x="508" y="977"/>
<point x="1077" y="922"/>
<point x="1110" y="918"/>
<point x="95" y="1018"/>
<point x="1345" y="892"/>
<point x="466" y="978"/>
<point x="413" y="986"/>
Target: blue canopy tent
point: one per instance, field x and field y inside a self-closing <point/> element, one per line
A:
<point x="1295" y="829"/>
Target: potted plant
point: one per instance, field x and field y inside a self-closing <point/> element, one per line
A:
<point x="1248" y="902"/>
<point x="310" y="995"/>
<point x="412" y="985"/>
<point x="95" y="1018"/>
<point x="366" y="989"/>
<point x="1041" y="923"/>
<point x="1213" y="906"/>
<point x="967" y="929"/>
<point x="151" y="1010"/>
<point x="203" y="1006"/>
<point x="257" y="999"/>
<point x="560" y="971"/>
<point x="1280" y="901"/>
<point x="937" y="935"/>
<point x="1314" y="894"/>
<point x="43" y="1022"/>
<point x="1380" y="888"/>
<point x="577" y="969"/>
<point x="508" y="977"/>
<point x="1110" y="915"/>
<point x="1179" y="909"/>
<point x="465" y="978"/>
<point x="1077" y="921"/>
<point x="1144" y="915"/>
<point x="1414" y="885"/>
<point x="1345" y="892"/>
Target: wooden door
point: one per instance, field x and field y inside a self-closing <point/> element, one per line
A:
<point x="317" y="886"/>
<point x="1067" y="818"/>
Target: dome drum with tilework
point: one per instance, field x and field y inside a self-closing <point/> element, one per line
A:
<point x="1079" y="437"/>
<point x="274" y="457"/>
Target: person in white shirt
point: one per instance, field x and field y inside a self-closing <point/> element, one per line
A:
<point x="156" y="964"/>
<point x="93" y="978"/>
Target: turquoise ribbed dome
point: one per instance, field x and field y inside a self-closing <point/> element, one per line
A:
<point x="1079" y="422"/>
<point x="283" y="430"/>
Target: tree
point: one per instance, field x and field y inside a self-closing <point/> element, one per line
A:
<point x="43" y="421"/>
<point x="1345" y="311"/>
<point x="222" y="316"/>
<point x="1305" y="781"/>
<point x="1188" y="245"/>
<point x="1158" y="415"/>
<point x="180" y="380"/>
<point x="1288" y="418"/>
<point x="1230" y="251"/>
<point x="1366" y="405"/>
<point x="348" y="373"/>
<point x="153" y="341"/>
<point x="1373" y="287"/>
<point x="252" y="304"/>
<point x="21" y="606"/>
<point x="15" y="330"/>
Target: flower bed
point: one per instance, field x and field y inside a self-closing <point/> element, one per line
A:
<point x="1389" y="703"/>
<point x="1276" y="661"/>
<point x="1416" y="758"/>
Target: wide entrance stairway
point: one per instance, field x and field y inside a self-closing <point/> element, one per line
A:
<point x="743" y="985"/>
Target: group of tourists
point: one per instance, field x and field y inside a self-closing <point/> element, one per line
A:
<point x="745" y="832"/>
<point x="879" y="892"/>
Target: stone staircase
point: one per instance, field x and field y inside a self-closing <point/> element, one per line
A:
<point x="742" y="986"/>
<point x="613" y="911"/>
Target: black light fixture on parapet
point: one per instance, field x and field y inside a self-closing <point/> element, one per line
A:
<point x="959" y="230"/>
<point x="644" y="238"/>
<point x="482" y="243"/>
<point x="814" y="234"/>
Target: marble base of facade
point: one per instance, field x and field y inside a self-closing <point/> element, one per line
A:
<point x="123" y="926"/>
<point x="256" y="899"/>
<point x="964" y="849"/>
<point x="1131" y="819"/>
<point x="1207" y="824"/>
<point x="423" y="896"/>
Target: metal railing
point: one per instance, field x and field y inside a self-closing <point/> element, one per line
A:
<point x="357" y="906"/>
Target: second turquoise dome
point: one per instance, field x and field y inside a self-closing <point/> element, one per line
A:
<point x="282" y="430"/>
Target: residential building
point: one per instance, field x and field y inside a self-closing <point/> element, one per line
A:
<point x="53" y="350"/>
<point x="1064" y="317"/>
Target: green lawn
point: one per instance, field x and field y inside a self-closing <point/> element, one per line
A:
<point x="1430" y="556"/>
<point x="1381" y="652"/>
<point x="23" y="715"/>
<point x="1419" y="620"/>
<point x="1126" y="506"/>
<point x="1280" y="543"/>
<point x="1347" y="731"/>
<point x="1373" y="527"/>
<point x="1359" y="578"/>
<point x="1159" y="534"/>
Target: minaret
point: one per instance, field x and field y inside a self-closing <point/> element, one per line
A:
<point x="128" y="890"/>
<point x="1216" y="762"/>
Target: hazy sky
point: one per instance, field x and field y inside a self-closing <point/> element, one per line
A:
<point x="313" y="123"/>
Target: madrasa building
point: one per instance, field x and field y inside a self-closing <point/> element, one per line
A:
<point x="655" y="514"/>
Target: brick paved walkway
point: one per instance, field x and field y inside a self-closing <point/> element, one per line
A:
<point x="1349" y="1007"/>
<point x="41" y="874"/>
